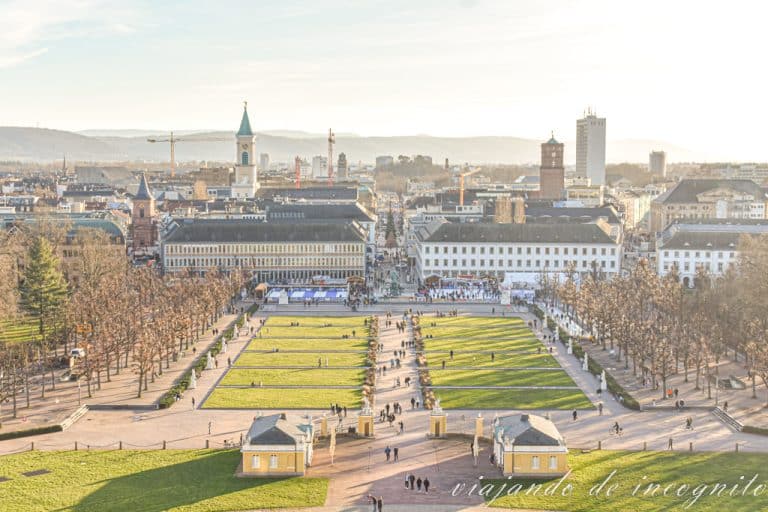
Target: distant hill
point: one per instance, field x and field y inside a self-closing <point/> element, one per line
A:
<point x="39" y="144"/>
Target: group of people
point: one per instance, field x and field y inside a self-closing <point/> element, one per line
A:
<point x="416" y="483"/>
<point x="338" y="410"/>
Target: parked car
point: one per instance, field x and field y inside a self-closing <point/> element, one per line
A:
<point x="77" y="352"/>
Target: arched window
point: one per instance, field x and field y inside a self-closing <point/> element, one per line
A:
<point x="244" y="159"/>
<point x="141" y="212"/>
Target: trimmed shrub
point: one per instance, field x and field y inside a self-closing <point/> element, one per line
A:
<point x="749" y="429"/>
<point x="30" y="432"/>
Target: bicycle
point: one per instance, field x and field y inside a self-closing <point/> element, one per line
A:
<point x="612" y="431"/>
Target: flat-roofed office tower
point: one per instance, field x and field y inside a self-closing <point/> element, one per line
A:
<point x="590" y="148"/>
<point x="657" y="163"/>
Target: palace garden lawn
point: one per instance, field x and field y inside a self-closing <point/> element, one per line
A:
<point x="282" y="354"/>
<point x="648" y="467"/>
<point x="497" y="363"/>
<point x="149" y="481"/>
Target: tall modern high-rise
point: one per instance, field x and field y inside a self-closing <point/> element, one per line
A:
<point x="264" y="162"/>
<point x="657" y="163"/>
<point x="319" y="167"/>
<point x="590" y="148"/>
<point x="552" y="170"/>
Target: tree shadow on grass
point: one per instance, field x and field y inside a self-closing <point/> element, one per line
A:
<point x="206" y="476"/>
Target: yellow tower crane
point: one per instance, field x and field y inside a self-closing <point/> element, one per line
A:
<point x="172" y="140"/>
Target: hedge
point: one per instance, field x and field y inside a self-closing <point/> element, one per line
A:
<point x="169" y="398"/>
<point x="31" y="432"/>
<point x="748" y="429"/>
<point x="538" y="312"/>
<point x="254" y="308"/>
<point x="596" y="368"/>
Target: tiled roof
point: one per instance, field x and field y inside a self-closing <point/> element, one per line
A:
<point x="687" y="191"/>
<point x="253" y="231"/>
<point x="514" y="233"/>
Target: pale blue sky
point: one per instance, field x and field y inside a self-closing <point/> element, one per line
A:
<point x="691" y="73"/>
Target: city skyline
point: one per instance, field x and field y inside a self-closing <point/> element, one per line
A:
<point x="464" y="68"/>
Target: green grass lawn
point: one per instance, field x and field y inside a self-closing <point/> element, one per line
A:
<point x="317" y="321"/>
<point x="147" y="481"/>
<point x="300" y="359"/>
<point x="632" y="468"/>
<point x="20" y="330"/>
<point x="478" y="321"/>
<point x="522" y="342"/>
<point x="312" y="332"/>
<point x="314" y="344"/>
<point x="293" y="377"/>
<point x="501" y="360"/>
<point x="512" y="399"/>
<point x="499" y="378"/>
<point x="275" y="398"/>
<point x="475" y="331"/>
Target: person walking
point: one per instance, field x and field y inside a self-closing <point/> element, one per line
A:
<point x="426" y="484"/>
<point x="373" y="501"/>
<point x="413" y="402"/>
<point x="575" y="415"/>
<point x="193" y="403"/>
<point x="395" y="453"/>
<point x="418" y="484"/>
<point x="407" y="483"/>
<point x="600" y="408"/>
<point x="411" y="480"/>
<point x="387" y="451"/>
<point x="210" y="424"/>
<point x="451" y="355"/>
<point x="380" y="503"/>
<point x="669" y="444"/>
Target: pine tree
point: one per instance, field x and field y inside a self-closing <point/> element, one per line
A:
<point x="390" y="225"/>
<point x="43" y="290"/>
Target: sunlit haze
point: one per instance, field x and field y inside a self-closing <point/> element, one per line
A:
<point x="688" y="73"/>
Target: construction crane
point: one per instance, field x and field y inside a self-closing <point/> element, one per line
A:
<point x="297" y="163"/>
<point x="461" y="182"/>
<point x="173" y="140"/>
<point x="331" y="142"/>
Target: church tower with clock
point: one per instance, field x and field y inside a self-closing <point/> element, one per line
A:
<point x="552" y="170"/>
<point x="246" y="178"/>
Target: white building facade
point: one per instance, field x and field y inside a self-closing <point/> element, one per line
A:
<point x="711" y="246"/>
<point x="478" y="250"/>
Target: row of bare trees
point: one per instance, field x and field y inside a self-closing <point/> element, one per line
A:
<point x="659" y="327"/>
<point x="121" y="317"/>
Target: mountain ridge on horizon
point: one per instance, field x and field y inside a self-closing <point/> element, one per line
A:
<point x="44" y="144"/>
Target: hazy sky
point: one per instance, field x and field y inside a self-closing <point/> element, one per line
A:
<point x="689" y="72"/>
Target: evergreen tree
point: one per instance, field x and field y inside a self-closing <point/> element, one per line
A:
<point x="390" y="230"/>
<point x="43" y="290"/>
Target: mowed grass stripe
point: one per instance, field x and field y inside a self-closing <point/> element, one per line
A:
<point x="293" y="377"/>
<point x="272" y="398"/>
<point x="482" y="344"/>
<point x="318" y="344"/>
<point x="317" y="321"/>
<point x="475" y="377"/>
<point x="483" y="360"/>
<point x="512" y="399"/>
<point x="300" y="359"/>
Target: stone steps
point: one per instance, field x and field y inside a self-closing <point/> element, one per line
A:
<point x="727" y="419"/>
